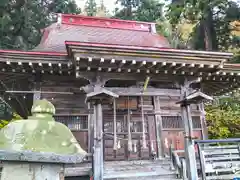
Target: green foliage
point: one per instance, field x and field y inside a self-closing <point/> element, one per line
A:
<point x="140" y="10"/>
<point x="212" y="19"/>
<point x="223" y="118"/>
<point x="21" y="21"/>
<point x="149" y="11"/>
<point x="91" y="7"/>
<point x="5" y="122"/>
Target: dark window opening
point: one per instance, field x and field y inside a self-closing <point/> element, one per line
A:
<point x="74" y="123"/>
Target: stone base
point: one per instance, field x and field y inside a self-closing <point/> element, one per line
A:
<point x="31" y="171"/>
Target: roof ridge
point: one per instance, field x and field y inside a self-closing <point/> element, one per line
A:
<point x="106" y="22"/>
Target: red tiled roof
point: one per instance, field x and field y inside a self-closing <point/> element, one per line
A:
<point x="115" y="32"/>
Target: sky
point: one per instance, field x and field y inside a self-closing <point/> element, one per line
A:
<point x="110" y="4"/>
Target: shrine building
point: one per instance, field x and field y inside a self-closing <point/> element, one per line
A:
<point x="79" y="54"/>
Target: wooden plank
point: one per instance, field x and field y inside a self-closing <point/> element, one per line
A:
<point x="159" y="128"/>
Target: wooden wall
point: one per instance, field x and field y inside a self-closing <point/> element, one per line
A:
<point x="172" y="132"/>
<point x="65" y="103"/>
<point x="72" y="109"/>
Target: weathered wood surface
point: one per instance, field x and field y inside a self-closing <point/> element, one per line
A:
<point x="74" y="170"/>
<point x="143" y="169"/>
<point x="134" y="91"/>
<point x="138" y="169"/>
<point x="159" y="127"/>
<point x="220" y="162"/>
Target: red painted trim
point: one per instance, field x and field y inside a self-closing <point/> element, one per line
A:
<point x="105" y="23"/>
<point x="113" y="46"/>
<point x="33" y="52"/>
<point x="103" y="18"/>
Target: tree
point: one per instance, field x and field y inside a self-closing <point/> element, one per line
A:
<point x="149" y="11"/>
<point x="6" y="122"/>
<point x="140" y="10"/>
<point x="91" y="7"/>
<point x="223" y="118"/>
<point x="127" y="12"/>
<point x="21" y="21"/>
<point x="211" y="18"/>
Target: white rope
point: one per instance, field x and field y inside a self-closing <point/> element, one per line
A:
<point x="135" y="146"/>
<point x="129" y="128"/>
<point x="119" y="144"/>
<point x="115" y="143"/>
<point x="144" y="144"/>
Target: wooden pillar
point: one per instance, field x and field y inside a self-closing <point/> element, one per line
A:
<point x="158" y="124"/>
<point x="90" y="128"/>
<point x="98" y="142"/>
<point x="188" y="143"/>
<point x="190" y="155"/>
<point x="203" y="121"/>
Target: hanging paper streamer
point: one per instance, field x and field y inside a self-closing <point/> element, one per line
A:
<point x="144" y="144"/>
<point x="143" y="123"/>
<point x="135" y="146"/>
<point x="152" y="146"/>
<point x="146" y="83"/>
<point x="119" y="144"/>
<point x="129" y="129"/>
<point x="115" y="146"/>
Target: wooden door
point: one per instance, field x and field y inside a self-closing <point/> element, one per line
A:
<point x="122" y="153"/>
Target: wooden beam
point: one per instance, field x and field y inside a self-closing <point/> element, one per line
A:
<point x="159" y="128"/>
<point x="134" y="91"/>
<point x="162" y="53"/>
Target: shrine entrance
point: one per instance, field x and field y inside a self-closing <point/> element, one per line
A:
<point x="135" y="131"/>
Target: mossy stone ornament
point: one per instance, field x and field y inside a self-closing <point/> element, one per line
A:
<point x="39" y="133"/>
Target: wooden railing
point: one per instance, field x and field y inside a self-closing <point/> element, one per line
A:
<point x="178" y="163"/>
<point x="216" y="159"/>
<point x="219" y="159"/>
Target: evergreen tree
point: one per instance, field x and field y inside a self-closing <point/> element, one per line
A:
<point x="127" y="12"/>
<point x="140" y="10"/>
<point x="91" y="7"/>
<point x="21" y="21"/>
<point x="212" y="21"/>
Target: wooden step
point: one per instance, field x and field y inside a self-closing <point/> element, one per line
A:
<point x="158" y="170"/>
<point x="161" y="177"/>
